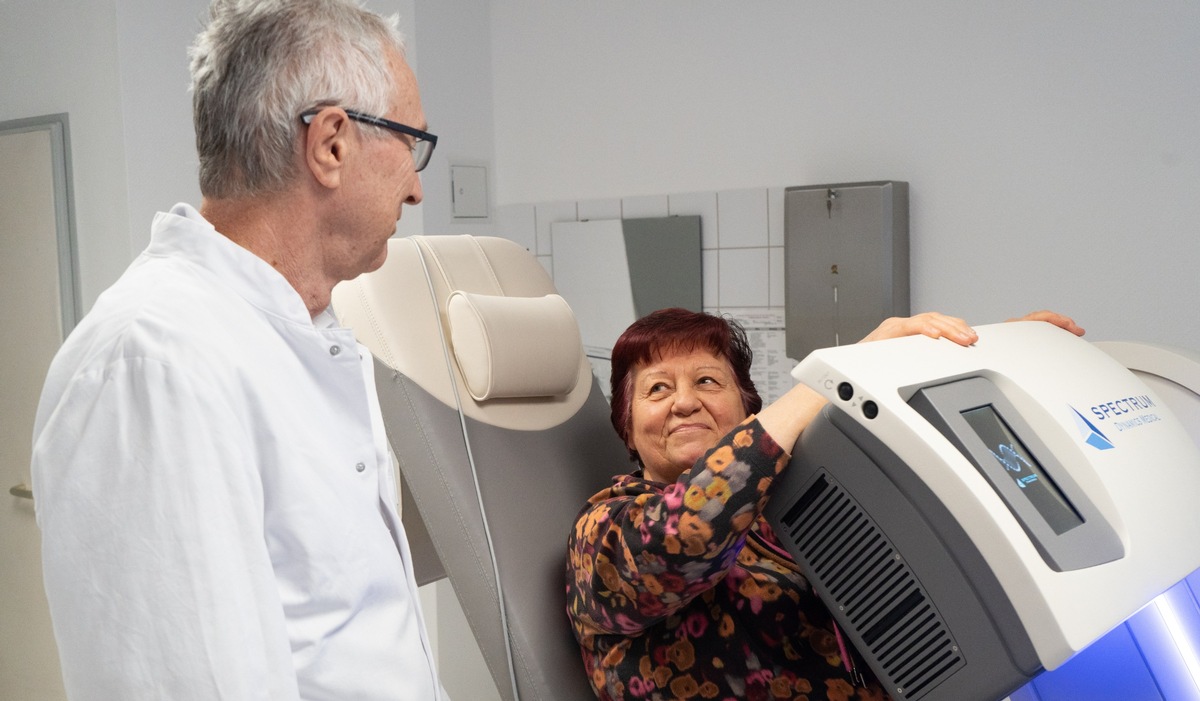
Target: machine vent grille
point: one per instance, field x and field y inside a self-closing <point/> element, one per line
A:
<point x="880" y="597"/>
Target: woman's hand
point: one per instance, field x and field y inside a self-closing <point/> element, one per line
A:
<point x="937" y="325"/>
<point x="929" y="324"/>
<point x="1062" y="322"/>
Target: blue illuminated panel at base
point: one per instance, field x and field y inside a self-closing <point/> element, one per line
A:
<point x="1154" y="656"/>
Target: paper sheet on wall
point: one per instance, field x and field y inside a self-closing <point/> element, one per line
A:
<point x="772" y="369"/>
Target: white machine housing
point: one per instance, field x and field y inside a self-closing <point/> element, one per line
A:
<point x="1023" y="540"/>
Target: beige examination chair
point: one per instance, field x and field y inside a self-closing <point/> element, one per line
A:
<point x="489" y="496"/>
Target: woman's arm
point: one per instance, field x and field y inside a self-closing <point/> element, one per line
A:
<point x="638" y="554"/>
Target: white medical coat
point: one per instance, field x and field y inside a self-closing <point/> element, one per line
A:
<point x="215" y="493"/>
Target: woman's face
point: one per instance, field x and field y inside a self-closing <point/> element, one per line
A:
<point x="683" y="403"/>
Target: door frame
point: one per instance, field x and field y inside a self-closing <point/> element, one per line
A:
<point x="58" y="127"/>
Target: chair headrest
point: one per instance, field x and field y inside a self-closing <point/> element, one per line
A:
<point x="401" y="313"/>
<point x="514" y="347"/>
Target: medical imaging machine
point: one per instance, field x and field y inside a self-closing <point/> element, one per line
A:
<point x="976" y="515"/>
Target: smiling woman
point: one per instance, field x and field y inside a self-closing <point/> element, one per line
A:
<point x="652" y="350"/>
<point x="676" y="585"/>
<point x="676" y="390"/>
<point x="682" y="404"/>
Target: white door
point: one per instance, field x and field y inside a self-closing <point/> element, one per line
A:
<point x="31" y="318"/>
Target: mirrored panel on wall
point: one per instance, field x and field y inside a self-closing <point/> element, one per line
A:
<point x="615" y="271"/>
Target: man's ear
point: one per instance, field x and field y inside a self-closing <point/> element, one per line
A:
<point x="326" y="145"/>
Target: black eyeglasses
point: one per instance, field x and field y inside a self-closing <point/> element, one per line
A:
<point x="423" y="141"/>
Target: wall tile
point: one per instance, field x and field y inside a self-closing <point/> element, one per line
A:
<point x="547" y="214"/>
<point x="743" y="275"/>
<point x="645" y="207"/>
<point x="702" y="203"/>
<point x="776" y="284"/>
<point x="599" y="209"/>
<point x="710" y="267"/>
<point x="742" y="218"/>
<point x="517" y="222"/>
<point x="775" y="218"/>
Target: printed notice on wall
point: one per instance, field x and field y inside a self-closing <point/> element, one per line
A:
<point x="772" y="369"/>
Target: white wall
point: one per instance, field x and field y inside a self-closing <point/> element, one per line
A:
<point x="62" y="57"/>
<point x="455" y="77"/>
<point x="160" y="155"/>
<point x="1050" y="147"/>
<point x="119" y="68"/>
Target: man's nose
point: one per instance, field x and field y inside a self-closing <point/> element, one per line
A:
<point x="417" y="193"/>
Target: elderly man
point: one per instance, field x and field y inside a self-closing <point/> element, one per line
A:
<point x="212" y="478"/>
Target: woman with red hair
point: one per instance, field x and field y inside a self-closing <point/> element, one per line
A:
<point x="676" y="586"/>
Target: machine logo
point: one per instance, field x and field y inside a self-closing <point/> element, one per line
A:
<point x="1091" y="435"/>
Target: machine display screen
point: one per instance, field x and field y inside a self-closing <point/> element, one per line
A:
<point x="1022" y="468"/>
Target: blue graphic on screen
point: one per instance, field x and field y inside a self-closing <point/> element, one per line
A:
<point x="1008" y="455"/>
<point x="1024" y="470"/>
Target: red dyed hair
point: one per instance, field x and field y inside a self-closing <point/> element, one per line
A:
<point x="673" y="330"/>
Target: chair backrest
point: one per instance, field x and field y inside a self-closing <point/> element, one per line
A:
<point x="474" y="322"/>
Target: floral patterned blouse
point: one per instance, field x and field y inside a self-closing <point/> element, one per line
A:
<point x="682" y="591"/>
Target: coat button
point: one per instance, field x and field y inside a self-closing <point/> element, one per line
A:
<point x="360" y="467"/>
<point x="334" y="350"/>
